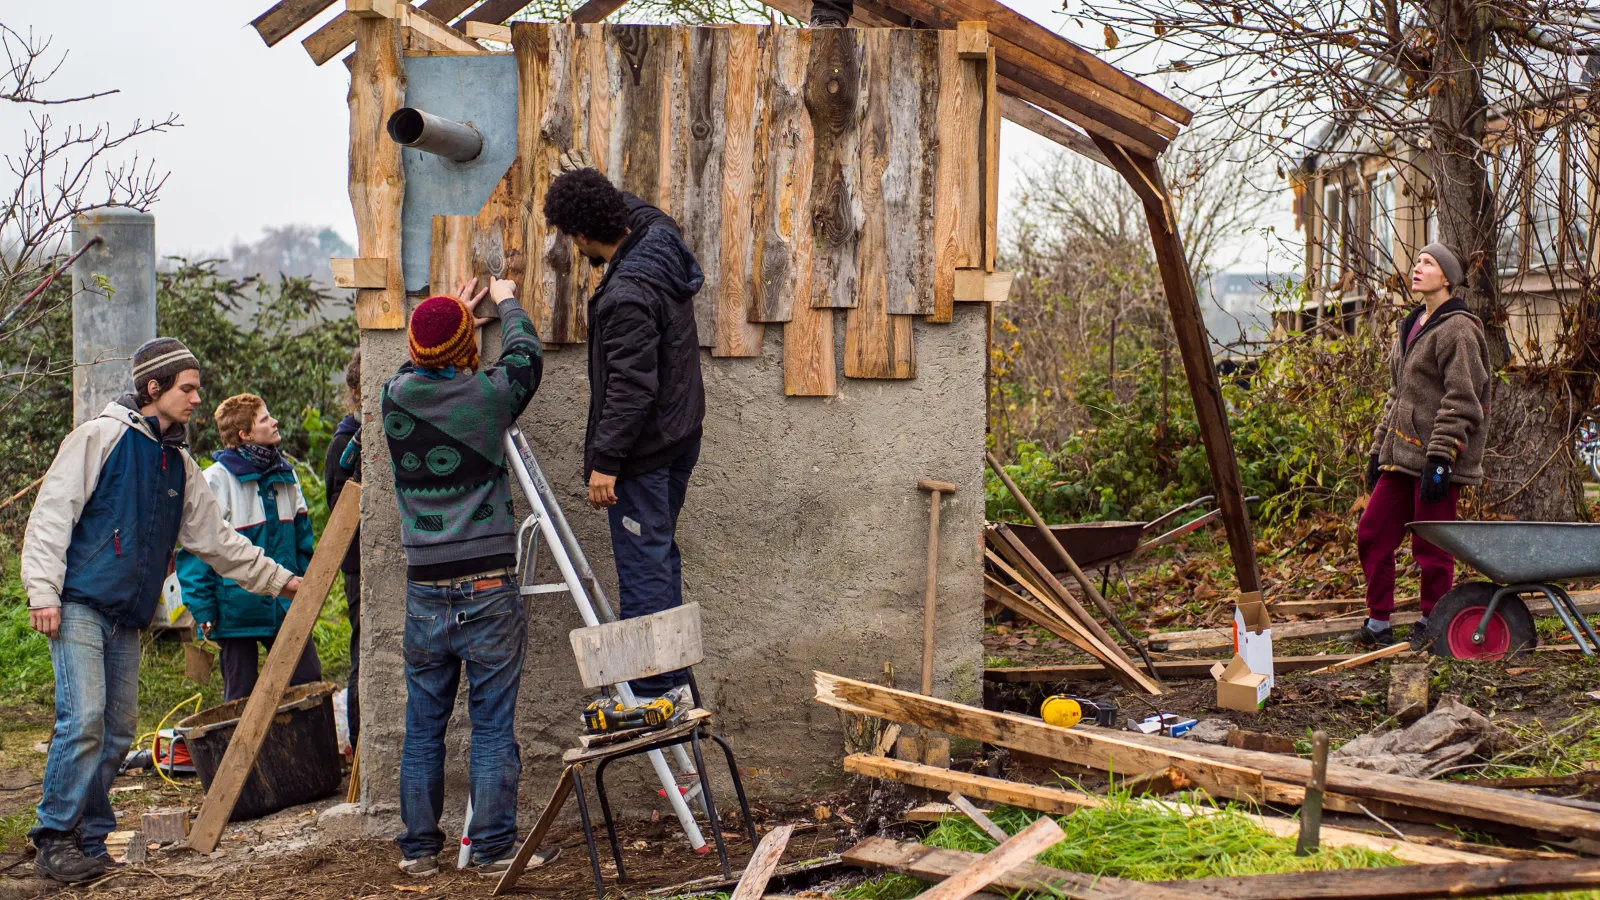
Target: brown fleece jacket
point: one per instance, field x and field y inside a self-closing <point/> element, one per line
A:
<point x="1440" y="396"/>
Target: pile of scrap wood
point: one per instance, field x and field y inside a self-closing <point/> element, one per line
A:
<point x="1225" y="773"/>
<point x="1017" y="580"/>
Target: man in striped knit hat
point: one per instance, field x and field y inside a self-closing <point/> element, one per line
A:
<point x="443" y="419"/>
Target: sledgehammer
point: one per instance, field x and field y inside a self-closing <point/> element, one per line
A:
<point x="930" y="599"/>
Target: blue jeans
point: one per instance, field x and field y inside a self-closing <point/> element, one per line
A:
<point x="97" y="710"/>
<point x="644" y="524"/>
<point x="487" y="630"/>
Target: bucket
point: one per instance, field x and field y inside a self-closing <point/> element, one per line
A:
<point x="299" y="759"/>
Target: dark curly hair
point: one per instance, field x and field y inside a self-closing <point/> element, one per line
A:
<point x="583" y="202"/>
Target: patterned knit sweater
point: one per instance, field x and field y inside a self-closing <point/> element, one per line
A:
<point x="444" y="429"/>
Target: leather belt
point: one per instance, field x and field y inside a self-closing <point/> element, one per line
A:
<point x="492" y="574"/>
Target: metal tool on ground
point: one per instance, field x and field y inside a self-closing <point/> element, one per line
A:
<point x="1488" y="619"/>
<point x="578" y="580"/>
<point x="936" y="490"/>
<point x="1311" y="809"/>
<point x="1088" y="587"/>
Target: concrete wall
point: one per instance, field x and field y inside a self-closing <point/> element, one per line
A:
<point x="804" y="538"/>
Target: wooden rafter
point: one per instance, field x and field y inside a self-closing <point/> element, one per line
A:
<point x="418" y="21"/>
<point x="1047" y="126"/>
<point x="285" y="16"/>
<point x="340" y="32"/>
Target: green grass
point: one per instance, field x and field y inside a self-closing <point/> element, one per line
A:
<point x="14" y="830"/>
<point x="1127" y="840"/>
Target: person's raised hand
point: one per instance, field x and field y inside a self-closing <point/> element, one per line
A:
<point x="469" y="297"/>
<point x="46" y="621"/>
<point x="573" y="160"/>
<point x="502" y="289"/>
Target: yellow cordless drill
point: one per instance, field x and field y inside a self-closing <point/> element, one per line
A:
<point x="608" y="714"/>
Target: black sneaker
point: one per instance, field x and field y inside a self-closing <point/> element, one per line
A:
<point x="1419" y="637"/>
<point x="1365" y="636"/>
<point x="104" y="859"/>
<point x="60" y="859"/>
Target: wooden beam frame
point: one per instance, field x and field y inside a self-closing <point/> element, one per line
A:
<point x="1021" y="112"/>
<point x="1194" y="345"/>
<point x="340" y="32"/>
<point x="417" y="20"/>
<point x="285" y="16"/>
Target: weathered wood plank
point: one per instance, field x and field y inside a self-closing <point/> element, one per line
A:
<point x="764" y="861"/>
<point x="636" y="58"/>
<point x="700" y="181"/>
<point x="993" y="790"/>
<point x="970" y="129"/>
<point x="562" y="271"/>
<point x="639" y="647"/>
<point x="1047" y="126"/>
<point x="834" y="89"/>
<point x="876" y="344"/>
<point x="359" y="273"/>
<point x="947" y="179"/>
<point x="1042" y="834"/>
<point x="531" y="43"/>
<point x="498" y="230"/>
<point x="936" y="864"/>
<point x="991" y="161"/>
<point x="377" y="180"/>
<point x="748" y="56"/>
<point x="908" y="182"/>
<point x="450" y="261"/>
<point x="285" y="16"/>
<point x="1166" y="668"/>
<point x="262" y="706"/>
<point x="594" y="103"/>
<point x="809" y="367"/>
<point x="783" y="231"/>
<point x="1026" y="86"/>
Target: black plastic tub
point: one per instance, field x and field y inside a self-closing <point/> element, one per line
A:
<point x="299" y="759"/>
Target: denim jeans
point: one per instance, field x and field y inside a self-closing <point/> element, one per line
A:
<point x="97" y="709"/>
<point x="644" y="523"/>
<point x="487" y="629"/>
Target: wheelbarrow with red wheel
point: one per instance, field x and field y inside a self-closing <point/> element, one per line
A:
<point x="1488" y="619"/>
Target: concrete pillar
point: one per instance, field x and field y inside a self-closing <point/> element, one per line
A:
<point x="108" y="325"/>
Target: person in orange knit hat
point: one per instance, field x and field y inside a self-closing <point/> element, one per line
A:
<point x="443" y="419"/>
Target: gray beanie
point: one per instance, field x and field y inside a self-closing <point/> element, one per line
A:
<point x="159" y="358"/>
<point x="1449" y="261"/>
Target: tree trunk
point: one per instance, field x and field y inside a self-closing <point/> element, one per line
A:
<point x="1530" y="470"/>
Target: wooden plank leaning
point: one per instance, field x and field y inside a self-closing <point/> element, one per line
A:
<point x="753" y="884"/>
<point x="259" y="710"/>
<point x="1021" y="847"/>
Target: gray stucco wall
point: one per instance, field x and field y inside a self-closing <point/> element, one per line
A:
<point x="804" y="539"/>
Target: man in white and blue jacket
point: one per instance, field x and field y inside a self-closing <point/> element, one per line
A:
<point x="260" y="497"/>
<point x="120" y="495"/>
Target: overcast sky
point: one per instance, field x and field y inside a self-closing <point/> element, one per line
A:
<point x="264" y="132"/>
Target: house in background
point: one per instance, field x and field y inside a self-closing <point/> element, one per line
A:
<point x="1365" y="210"/>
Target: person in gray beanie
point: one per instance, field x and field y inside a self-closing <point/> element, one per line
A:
<point x="1429" y="441"/>
<point x="122" y="493"/>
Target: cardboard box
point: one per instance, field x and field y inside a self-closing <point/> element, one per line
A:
<point x="1252" y="635"/>
<point x="1238" y="688"/>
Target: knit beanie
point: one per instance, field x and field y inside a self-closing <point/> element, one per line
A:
<point x="441" y="334"/>
<point x="158" y="358"/>
<point x="1449" y="262"/>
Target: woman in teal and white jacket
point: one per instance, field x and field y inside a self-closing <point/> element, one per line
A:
<point x="261" y="498"/>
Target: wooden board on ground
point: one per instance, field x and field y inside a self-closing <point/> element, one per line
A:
<point x="262" y="706"/>
<point x="978" y="817"/>
<point x="762" y="864"/>
<point x="1087" y="746"/>
<point x="1371" y="656"/>
<point x="1403" y="882"/>
<point x="982" y="787"/>
<point x="934" y="864"/>
<point x="1042" y="834"/>
<point x="552" y="808"/>
<point x="1167" y="668"/>
<point x="1408" y="691"/>
<point x="639" y="647"/>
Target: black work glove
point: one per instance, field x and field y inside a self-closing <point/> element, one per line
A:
<point x="1436" y="480"/>
<point x="1372" y="473"/>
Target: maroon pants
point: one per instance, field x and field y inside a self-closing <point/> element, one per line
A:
<point x="1396" y="501"/>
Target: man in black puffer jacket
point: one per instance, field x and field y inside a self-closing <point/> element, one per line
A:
<point x="646" y="399"/>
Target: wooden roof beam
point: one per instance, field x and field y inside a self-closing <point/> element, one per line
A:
<point x="1036" y="120"/>
<point x="285" y="16"/>
<point x="415" y="19"/>
<point x="340" y="32"/>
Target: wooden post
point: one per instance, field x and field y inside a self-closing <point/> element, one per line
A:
<point x="259" y="710"/>
<point x="377" y="182"/>
<point x="1144" y="177"/>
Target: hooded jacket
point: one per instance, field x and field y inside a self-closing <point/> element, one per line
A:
<point x="1439" y="398"/>
<point x="342" y="464"/>
<point x="113" y="506"/>
<point x="646" y="399"/>
<point x="269" y="510"/>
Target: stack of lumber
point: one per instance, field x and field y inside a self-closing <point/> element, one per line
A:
<point x="1223" y="772"/>
<point x="1018" y="581"/>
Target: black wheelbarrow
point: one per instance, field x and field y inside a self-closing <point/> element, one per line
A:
<point x="1488" y="619"/>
